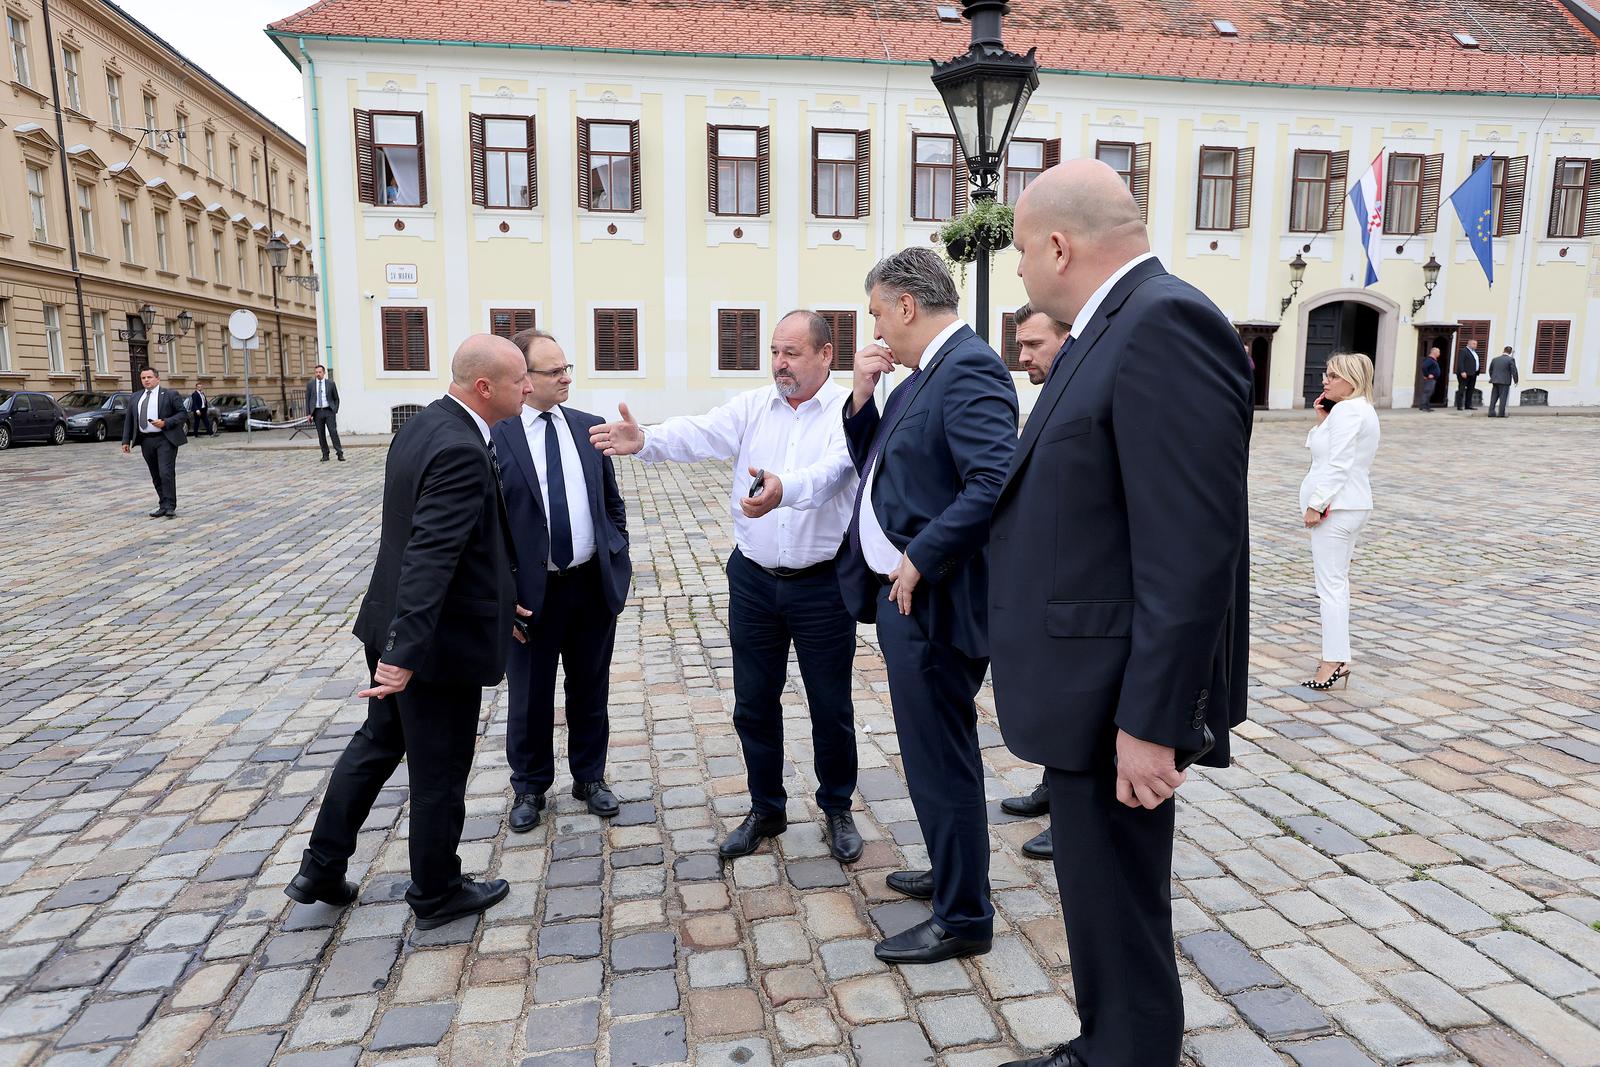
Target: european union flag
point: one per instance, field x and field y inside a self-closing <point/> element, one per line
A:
<point x="1474" y="204"/>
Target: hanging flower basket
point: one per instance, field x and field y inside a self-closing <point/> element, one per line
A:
<point x="986" y="221"/>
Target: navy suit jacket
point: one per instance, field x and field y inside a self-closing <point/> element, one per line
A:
<point x="530" y="529"/>
<point x="1120" y="589"/>
<point x="942" y="463"/>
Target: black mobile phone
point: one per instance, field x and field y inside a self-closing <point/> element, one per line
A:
<point x="1327" y="403"/>
<point x="520" y="625"/>
<point x="759" y="483"/>
<point x="1185" y="760"/>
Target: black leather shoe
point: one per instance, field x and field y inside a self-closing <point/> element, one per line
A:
<point x="601" y="800"/>
<point x="169" y="514"/>
<point x="747" y="836"/>
<point x="928" y="942"/>
<point x="525" y="812"/>
<point x="303" y="890"/>
<point x="1062" y="1056"/>
<point x="324" y="459"/>
<point x="470" y="899"/>
<point x="844" y="837"/>
<point x="1035" y="803"/>
<point x="158" y="512"/>
<point x="341" y="457"/>
<point x="917" y="884"/>
<point x="1040" y="846"/>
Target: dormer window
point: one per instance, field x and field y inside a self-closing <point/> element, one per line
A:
<point x="1224" y="28"/>
<point x="1465" y="40"/>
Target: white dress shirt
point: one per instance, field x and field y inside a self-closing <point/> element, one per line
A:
<point x="1342" y="450"/>
<point x="483" y="427"/>
<point x="322" y="393"/>
<point x="880" y="553"/>
<point x="576" y="489"/>
<point x="1086" y="313"/>
<point x="804" y="446"/>
<point x="151" y="397"/>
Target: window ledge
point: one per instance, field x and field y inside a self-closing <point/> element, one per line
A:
<point x="213" y="181"/>
<point x="121" y="134"/>
<point x="48" y="246"/>
<point x="30" y="91"/>
<point x="84" y="253"/>
<point x="196" y="281"/>
<point x="141" y="268"/>
<point x="167" y="273"/>
<point x="79" y="116"/>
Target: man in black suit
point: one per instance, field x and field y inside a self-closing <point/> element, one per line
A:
<point x="155" y="423"/>
<point x="322" y="404"/>
<point x="1118" y="602"/>
<point x="199" y="414"/>
<point x="437" y="625"/>
<point x="1467" y="369"/>
<point x="570" y="527"/>
<point x="915" y="562"/>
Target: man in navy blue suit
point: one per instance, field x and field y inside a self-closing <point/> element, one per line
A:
<point x="570" y="528"/>
<point x="915" y="562"/>
<point x="1119" y="597"/>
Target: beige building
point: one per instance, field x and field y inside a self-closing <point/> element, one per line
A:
<point x="129" y="176"/>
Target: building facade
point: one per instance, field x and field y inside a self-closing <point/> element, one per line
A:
<point x="130" y="177"/>
<point x="659" y="208"/>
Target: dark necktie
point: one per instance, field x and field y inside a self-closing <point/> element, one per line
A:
<point x="556" y="484"/>
<point x="146" y="420"/>
<point x="891" y="411"/>
<point x="494" y="460"/>
<point x="1061" y="357"/>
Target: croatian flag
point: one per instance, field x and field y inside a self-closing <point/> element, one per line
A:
<point x="1366" y="198"/>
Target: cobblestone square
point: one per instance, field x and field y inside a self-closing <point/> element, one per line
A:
<point x="1404" y="872"/>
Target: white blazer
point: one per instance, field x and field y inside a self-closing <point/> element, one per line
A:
<point x="1342" y="449"/>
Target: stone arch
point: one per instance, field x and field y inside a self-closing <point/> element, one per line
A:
<point x="1388" y="312"/>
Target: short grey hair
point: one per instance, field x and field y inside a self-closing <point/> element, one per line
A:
<point x="919" y="272"/>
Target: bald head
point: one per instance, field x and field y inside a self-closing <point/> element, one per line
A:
<point x="490" y="376"/>
<point x="1076" y="225"/>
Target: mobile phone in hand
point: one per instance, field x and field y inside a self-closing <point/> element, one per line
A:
<point x="1186" y="759"/>
<point x="758" y="484"/>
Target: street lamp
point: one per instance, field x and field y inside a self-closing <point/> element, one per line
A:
<point x="147" y="316"/>
<point x="278" y="256"/>
<point x="1430" y="278"/>
<point x="1297" y="277"/>
<point x="985" y="90"/>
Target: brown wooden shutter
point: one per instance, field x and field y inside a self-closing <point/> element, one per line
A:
<point x="393" y="340"/>
<point x="1140" y="179"/>
<point x="843" y="325"/>
<point x="1591" y="201"/>
<point x="1010" y="350"/>
<point x="627" y="339"/>
<point x="1550" y="348"/>
<point x="366" y="187"/>
<point x="958" y="184"/>
<point x="533" y="163"/>
<point x="583" y="181"/>
<point x="727" y="340"/>
<point x="1338" y="181"/>
<point x="1244" y="173"/>
<point x="416" y="339"/>
<point x="711" y="169"/>
<point x="480" y="175"/>
<point x="405" y="339"/>
<point x="605" y="340"/>
<point x="633" y="147"/>
<point x="1514" y="194"/>
<point x="863" y="173"/>
<point x="763" y="170"/>
<point x="1428" y="197"/>
<point x="508" y="322"/>
<point x="816" y="166"/>
<point x="422" y="166"/>
<point x="1052" y="152"/>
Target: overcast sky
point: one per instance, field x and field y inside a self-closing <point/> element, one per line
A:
<point x="226" y="38"/>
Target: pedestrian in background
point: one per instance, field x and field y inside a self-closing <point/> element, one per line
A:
<point x="1502" y="376"/>
<point x="1430" y="379"/>
<point x="1336" y="497"/>
<point x="156" y="425"/>
<point x="199" y="413"/>
<point x="322" y="404"/>
<point x="1467" y="368"/>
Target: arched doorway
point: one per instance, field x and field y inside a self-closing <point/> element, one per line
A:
<point x="1257" y="339"/>
<point x="1347" y="320"/>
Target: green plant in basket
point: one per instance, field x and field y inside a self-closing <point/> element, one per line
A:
<point x="987" y="223"/>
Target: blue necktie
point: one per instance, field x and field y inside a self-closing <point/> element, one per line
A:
<point x="1061" y="357"/>
<point x="891" y="410"/>
<point x="556" y="484"/>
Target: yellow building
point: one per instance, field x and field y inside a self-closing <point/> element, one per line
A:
<point x="130" y="177"/>
<point x="655" y="183"/>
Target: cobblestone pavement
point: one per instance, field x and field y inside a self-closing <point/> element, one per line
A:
<point x="1406" y="872"/>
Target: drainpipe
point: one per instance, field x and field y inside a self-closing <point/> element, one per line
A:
<point x="322" y="219"/>
<point x="66" y="199"/>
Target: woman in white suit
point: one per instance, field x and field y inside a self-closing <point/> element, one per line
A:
<point x="1336" y="497"/>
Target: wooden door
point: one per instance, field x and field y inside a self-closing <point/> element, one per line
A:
<point x="1322" y="340"/>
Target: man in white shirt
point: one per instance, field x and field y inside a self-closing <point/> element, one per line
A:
<point x="156" y="425"/>
<point x="322" y="404"/>
<point x="792" y="483"/>
<point x="570" y="528"/>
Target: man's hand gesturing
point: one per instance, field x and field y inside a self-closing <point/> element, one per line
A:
<point x="871" y="363"/>
<point x="621" y="438"/>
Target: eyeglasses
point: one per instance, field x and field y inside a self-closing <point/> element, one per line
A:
<point x="557" y="373"/>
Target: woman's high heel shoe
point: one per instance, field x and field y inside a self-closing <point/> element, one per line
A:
<point x="1341" y="675"/>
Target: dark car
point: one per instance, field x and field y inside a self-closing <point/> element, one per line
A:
<point x="30" y="417"/>
<point x="228" y="410"/>
<point x="96" y="416"/>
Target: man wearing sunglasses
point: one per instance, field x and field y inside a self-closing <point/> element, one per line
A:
<point x="570" y="528"/>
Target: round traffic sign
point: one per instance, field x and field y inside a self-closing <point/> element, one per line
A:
<point x="242" y="324"/>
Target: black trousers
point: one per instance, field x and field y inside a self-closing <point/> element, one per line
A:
<point x="1114" y="869"/>
<point x="574" y="627"/>
<point x="765" y="614"/>
<point x="1464" y="388"/>
<point x="1427" y="394"/>
<point x="933" y="686"/>
<point x="200" y="424"/>
<point x="161" y="456"/>
<point x="327" y="423"/>
<point x="1498" y="396"/>
<point x="434" y="725"/>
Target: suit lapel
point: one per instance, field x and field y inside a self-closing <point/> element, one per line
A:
<point x="922" y="380"/>
<point x="522" y="459"/>
<point x="589" y="463"/>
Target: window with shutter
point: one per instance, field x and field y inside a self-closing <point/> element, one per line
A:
<point x="1010" y="349"/>
<point x="1026" y="159"/>
<point x="737" y="161"/>
<point x="616" y="339"/>
<point x="1402" y="207"/>
<point x="1216" y="197"/>
<point x="738" y="340"/>
<point x="1550" y="347"/>
<point x="1243" y="187"/>
<point x="390" y="165"/>
<point x="507" y="322"/>
<point x="608" y="165"/>
<point x="1428" y="205"/>
<point x="1572" y="207"/>
<point x="405" y="339"/>
<point x="842" y="324"/>
<point x="503" y="161"/>
<point x="1338" y="190"/>
<point x="838" y="163"/>
<point x="938" y="178"/>
<point x="1310" y="188"/>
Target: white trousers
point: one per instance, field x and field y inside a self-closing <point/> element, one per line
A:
<point x="1333" y="541"/>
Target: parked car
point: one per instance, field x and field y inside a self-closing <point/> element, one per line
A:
<point x="228" y="410"/>
<point x="96" y="416"/>
<point x="30" y="417"/>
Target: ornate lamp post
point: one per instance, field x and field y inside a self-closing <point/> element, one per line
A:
<point x="1430" y="278"/>
<point x="1297" y="277"/>
<point x="985" y="90"/>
